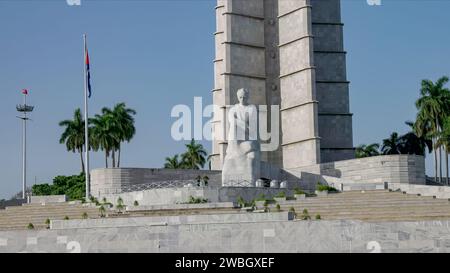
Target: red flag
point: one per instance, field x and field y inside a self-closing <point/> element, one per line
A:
<point x="25" y="91"/>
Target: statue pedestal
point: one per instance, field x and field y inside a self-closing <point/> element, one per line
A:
<point x="240" y="172"/>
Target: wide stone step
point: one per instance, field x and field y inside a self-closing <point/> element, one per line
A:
<point x="387" y="205"/>
<point x="373" y="212"/>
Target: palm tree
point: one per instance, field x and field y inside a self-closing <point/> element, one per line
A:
<point x="433" y="106"/>
<point x="73" y="135"/>
<point x="367" y="150"/>
<point x="444" y="141"/>
<point x="413" y="144"/>
<point x="195" y="156"/>
<point x="122" y="125"/>
<point x="173" y="163"/>
<point x="391" y="145"/>
<point x="104" y="138"/>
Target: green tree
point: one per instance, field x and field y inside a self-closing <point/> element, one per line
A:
<point x="195" y="156"/>
<point x="444" y="141"/>
<point x="122" y="125"/>
<point x="104" y="134"/>
<point x="391" y="145"/>
<point x="73" y="135"/>
<point x="173" y="163"/>
<point x="72" y="186"/>
<point x="411" y="143"/>
<point x="367" y="150"/>
<point x="433" y="106"/>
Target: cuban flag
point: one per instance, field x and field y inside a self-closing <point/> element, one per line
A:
<point x="88" y="73"/>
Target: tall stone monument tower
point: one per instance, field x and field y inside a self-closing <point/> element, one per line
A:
<point x="288" y="53"/>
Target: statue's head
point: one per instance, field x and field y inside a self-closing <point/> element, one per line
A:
<point x="242" y="96"/>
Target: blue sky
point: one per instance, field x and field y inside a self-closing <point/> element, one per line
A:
<point x="156" y="54"/>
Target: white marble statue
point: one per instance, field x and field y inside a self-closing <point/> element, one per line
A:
<point x="243" y="156"/>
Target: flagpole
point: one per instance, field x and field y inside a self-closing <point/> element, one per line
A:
<point x="86" y="127"/>
<point x="24" y="148"/>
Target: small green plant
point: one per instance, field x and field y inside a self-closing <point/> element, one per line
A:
<point x="292" y="209"/>
<point x="197" y="200"/>
<point x="84" y="215"/>
<point x="261" y="197"/>
<point x="281" y="194"/>
<point x="318" y="217"/>
<point x="102" y="211"/>
<point x="322" y="187"/>
<point x="66" y="217"/>
<point x="278" y="207"/>
<point x="104" y="200"/>
<point x="266" y="206"/>
<point x="47" y="223"/>
<point x="198" y="179"/>
<point x="241" y="202"/>
<point x="136" y="203"/>
<point x="305" y="215"/>
<point x="298" y="191"/>
<point x="30" y="226"/>
<point x="205" y="180"/>
<point x="120" y="206"/>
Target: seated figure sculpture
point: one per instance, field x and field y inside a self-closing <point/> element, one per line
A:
<point x="242" y="160"/>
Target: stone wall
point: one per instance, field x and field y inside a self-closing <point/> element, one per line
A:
<point x="48" y="199"/>
<point x="182" y="195"/>
<point x="113" y="180"/>
<point x="408" y="169"/>
<point x="441" y="192"/>
<point x="12" y="203"/>
<point x="255" y="237"/>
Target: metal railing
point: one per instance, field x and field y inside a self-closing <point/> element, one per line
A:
<point x="153" y="185"/>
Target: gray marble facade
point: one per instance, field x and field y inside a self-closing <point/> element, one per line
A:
<point x="289" y="53"/>
<point x="251" y="237"/>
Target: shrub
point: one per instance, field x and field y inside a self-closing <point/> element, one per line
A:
<point x="281" y="194"/>
<point x="102" y="211"/>
<point x="136" y="203"/>
<point x="261" y="197"/>
<point x="305" y="215"/>
<point x="299" y="191"/>
<point x="322" y="187"/>
<point x="104" y="200"/>
<point x="120" y="206"/>
<point x="84" y="215"/>
<point x="66" y="217"/>
<point x="278" y="207"/>
<point x="47" y="223"/>
<point x="205" y="180"/>
<point x="292" y="209"/>
<point x="318" y="217"/>
<point x="241" y="202"/>
<point x="30" y="226"/>
<point x="72" y="186"/>
<point x="197" y="200"/>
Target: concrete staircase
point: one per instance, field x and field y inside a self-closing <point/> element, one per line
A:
<point x="371" y="206"/>
<point x="19" y="217"/>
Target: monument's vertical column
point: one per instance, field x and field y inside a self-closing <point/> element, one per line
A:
<point x="332" y="87"/>
<point x="219" y="93"/>
<point x="272" y="78"/>
<point x="240" y="62"/>
<point x="299" y="106"/>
